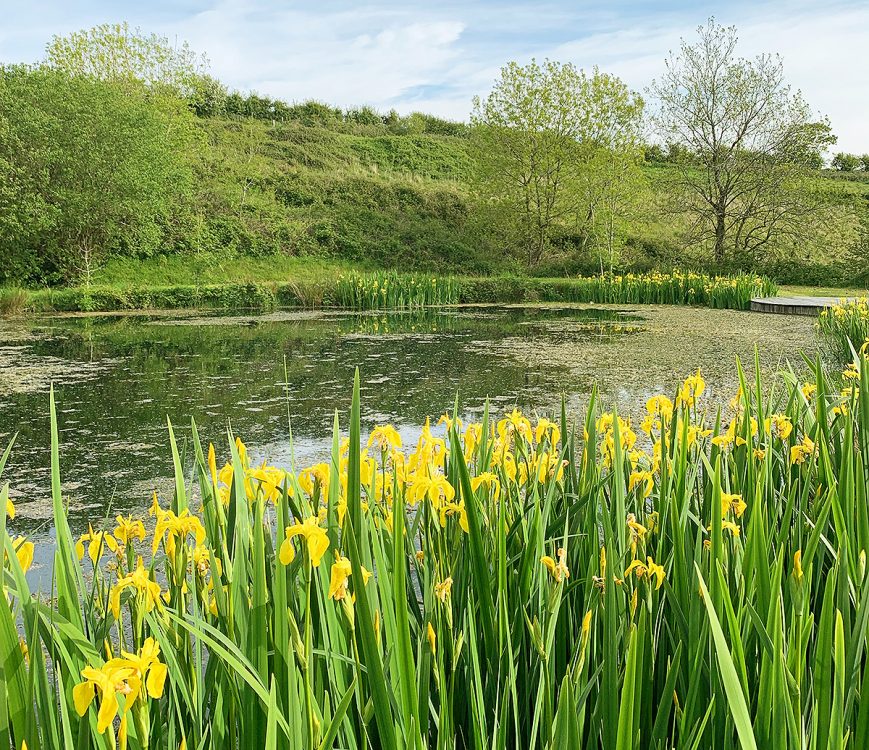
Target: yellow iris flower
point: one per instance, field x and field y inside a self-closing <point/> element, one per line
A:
<point x="98" y="542"/>
<point x="692" y="388"/>
<point x="437" y="489"/>
<point x="147" y="590"/>
<point x="659" y="406"/>
<point x="801" y="451"/>
<point x="128" y="529"/>
<point x="558" y="570"/>
<point x="126" y="676"/>
<point x="798" y="564"/>
<point x="315" y="476"/>
<point x="442" y="590"/>
<point x="448" y="509"/>
<point x="385" y="437"/>
<point x="778" y="425"/>
<point x="448" y="422"/>
<point x="150" y="671"/>
<point x="547" y="429"/>
<point x="340" y="574"/>
<point x="24" y="552"/>
<point x="649" y="569"/>
<point x="268" y="480"/>
<point x="636" y="530"/>
<point x="490" y="481"/>
<point x="315" y="537"/>
<point x="109" y="680"/>
<point x="733" y="503"/>
<point x="643" y="479"/>
<point x="176" y="527"/>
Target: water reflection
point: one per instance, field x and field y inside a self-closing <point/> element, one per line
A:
<point x="117" y="380"/>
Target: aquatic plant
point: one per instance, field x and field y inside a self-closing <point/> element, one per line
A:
<point x="675" y="288"/>
<point x="389" y="289"/>
<point x="12" y="300"/>
<point x="695" y="580"/>
<point x="844" y="327"/>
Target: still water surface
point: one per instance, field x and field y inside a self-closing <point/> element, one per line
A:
<point x="117" y="379"/>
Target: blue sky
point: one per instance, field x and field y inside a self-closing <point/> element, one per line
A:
<point x="435" y="56"/>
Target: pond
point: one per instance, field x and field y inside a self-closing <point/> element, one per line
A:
<point x="117" y="379"/>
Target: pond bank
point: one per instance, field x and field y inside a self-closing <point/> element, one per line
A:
<point x="382" y="290"/>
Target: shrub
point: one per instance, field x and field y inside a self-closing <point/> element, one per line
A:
<point x="12" y="301"/>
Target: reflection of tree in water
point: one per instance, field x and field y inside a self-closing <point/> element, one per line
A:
<point x="114" y="442"/>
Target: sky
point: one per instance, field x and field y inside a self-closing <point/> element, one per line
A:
<point x="434" y="57"/>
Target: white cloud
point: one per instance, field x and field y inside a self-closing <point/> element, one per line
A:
<point x="343" y="57"/>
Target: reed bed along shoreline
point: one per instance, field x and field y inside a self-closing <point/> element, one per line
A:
<point x="843" y="327"/>
<point x="394" y="290"/>
<point x="508" y="583"/>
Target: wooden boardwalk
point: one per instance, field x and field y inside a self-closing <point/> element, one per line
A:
<point x="794" y="305"/>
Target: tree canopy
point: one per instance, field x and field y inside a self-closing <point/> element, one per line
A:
<point x="117" y="52"/>
<point x="88" y="167"/>
<point x="752" y="141"/>
<point x="543" y="138"/>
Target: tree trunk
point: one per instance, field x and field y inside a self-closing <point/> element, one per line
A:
<point x="720" y="230"/>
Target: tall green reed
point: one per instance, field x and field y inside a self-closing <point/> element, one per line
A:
<point x="844" y="327"/>
<point x="535" y="584"/>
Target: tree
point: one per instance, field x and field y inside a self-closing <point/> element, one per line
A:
<point x="753" y="142"/>
<point x="541" y="139"/>
<point x="610" y="155"/>
<point x="845" y="162"/>
<point x="207" y="96"/>
<point x="115" y="52"/>
<point x="96" y="168"/>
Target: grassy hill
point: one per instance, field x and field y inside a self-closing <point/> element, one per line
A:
<point x="373" y="198"/>
<point x="368" y="199"/>
<point x="310" y="196"/>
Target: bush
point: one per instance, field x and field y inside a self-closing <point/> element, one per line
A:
<point x="12" y="301"/>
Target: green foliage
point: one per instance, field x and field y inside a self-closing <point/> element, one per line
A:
<point x="552" y="584"/>
<point x="553" y="147"/>
<point x="117" y="53"/>
<point x="254" y="178"/>
<point x="389" y="289"/>
<point x="846" y="162"/>
<point x="753" y="144"/>
<point x="844" y="328"/>
<point x="12" y="300"/>
<point x="394" y="291"/>
<point x="95" y="168"/>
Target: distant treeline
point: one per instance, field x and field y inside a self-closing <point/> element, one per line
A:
<point x="319" y="115"/>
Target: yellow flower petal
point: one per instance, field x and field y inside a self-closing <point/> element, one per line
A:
<point x="82" y="696"/>
<point x="156" y="680"/>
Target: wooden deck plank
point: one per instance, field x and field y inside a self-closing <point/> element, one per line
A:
<point x="794" y="305"/>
